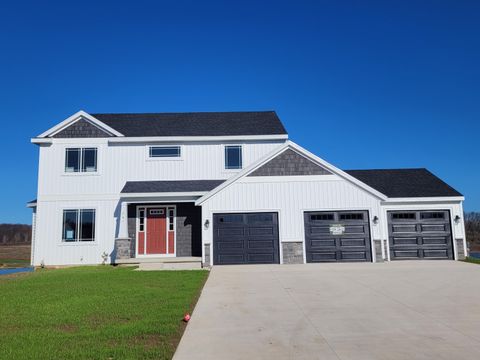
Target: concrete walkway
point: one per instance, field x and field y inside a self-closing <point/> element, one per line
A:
<point x="398" y="310"/>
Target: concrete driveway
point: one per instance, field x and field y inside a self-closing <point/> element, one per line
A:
<point x="398" y="310"/>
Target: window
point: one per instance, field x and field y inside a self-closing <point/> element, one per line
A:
<point x="408" y="216"/>
<point x="170" y="219"/>
<point x="165" y="151"/>
<point x="321" y="217"/>
<point x="432" y="215"/>
<point x="259" y="218"/>
<point x="78" y="225"/>
<point x="156" y="212"/>
<point x="81" y="160"/>
<point x="233" y="157"/>
<point x="141" y="216"/>
<point x="354" y="216"/>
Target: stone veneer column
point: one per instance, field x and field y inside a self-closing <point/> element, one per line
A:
<point x="206" y="251"/>
<point x="292" y="252"/>
<point x="378" y="251"/>
<point x="460" y="250"/>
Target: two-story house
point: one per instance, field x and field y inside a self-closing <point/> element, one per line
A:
<point x="225" y="188"/>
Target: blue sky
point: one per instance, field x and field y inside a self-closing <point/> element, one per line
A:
<point x="370" y="84"/>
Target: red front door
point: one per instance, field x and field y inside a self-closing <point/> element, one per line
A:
<point x="156" y="242"/>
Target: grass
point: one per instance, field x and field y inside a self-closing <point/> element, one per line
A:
<point x="9" y="263"/>
<point x="99" y="312"/>
<point x="14" y="255"/>
<point x="472" y="260"/>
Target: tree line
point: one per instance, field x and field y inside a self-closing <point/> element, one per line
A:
<point x="15" y="234"/>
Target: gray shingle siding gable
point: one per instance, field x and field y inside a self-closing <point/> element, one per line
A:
<point x="82" y="129"/>
<point x="289" y="163"/>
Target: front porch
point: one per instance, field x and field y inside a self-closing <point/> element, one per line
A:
<point x="158" y="232"/>
<point x="163" y="263"/>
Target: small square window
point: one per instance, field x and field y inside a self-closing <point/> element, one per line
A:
<point x="233" y="157"/>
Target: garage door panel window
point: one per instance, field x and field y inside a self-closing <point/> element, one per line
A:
<point x="351" y="216"/>
<point x="321" y="217"/>
<point x="432" y="215"/>
<point x="231" y="219"/>
<point x="260" y="218"/>
<point x="404" y="216"/>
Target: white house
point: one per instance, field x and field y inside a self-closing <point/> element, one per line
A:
<point x="225" y="188"/>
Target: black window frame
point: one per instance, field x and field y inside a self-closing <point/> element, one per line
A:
<point x="81" y="166"/>
<point x="174" y="155"/>
<point x="239" y="148"/>
<point x="79" y="225"/>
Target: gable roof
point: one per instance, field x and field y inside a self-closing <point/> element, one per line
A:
<point x="297" y="148"/>
<point x="400" y="183"/>
<point x="79" y="116"/>
<point x="195" y="123"/>
<point x="170" y="186"/>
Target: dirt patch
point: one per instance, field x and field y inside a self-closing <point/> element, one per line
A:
<point x="16" y="252"/>
<point x="67" y="328"/>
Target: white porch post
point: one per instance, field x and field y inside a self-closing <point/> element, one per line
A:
<point x="123" y="226"/>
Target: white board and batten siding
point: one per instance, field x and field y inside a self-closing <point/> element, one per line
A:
<point x="117" y="163"/>
<point x="290" y="196"/>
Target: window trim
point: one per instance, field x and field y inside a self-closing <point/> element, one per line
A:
<point x="77" y="241"/>
<point x="225" y="147"/>
<point x="164" y="158"/>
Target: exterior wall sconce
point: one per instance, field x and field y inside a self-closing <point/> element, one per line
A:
<point x="456" y="219"/>
<point x="207" y="224"/>
<point x="375" y="219"/>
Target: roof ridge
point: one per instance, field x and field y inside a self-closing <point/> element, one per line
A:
<point x="187" y="112"/>
<point x="388" y="169"/>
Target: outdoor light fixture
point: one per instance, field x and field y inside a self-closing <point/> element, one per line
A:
<point x="207" y="224"/>
<point x="375" y="219"/>
<point x="457" y="219"/>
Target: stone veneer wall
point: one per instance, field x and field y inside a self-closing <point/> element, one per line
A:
<point x="378" y="250"/>
<point x="206" y="250"/>
<point x="460" y="251"/>
<point x="122" y="249"/>
<point x="292" y="252"/>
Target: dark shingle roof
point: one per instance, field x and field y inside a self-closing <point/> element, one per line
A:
<point x="195" y="123"/>
<point x="397" y="183"/>
<point x="170" y="186"/>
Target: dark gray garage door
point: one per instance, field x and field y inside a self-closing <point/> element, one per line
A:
<point x="420" y="235"/>
<point x="250" y="238"/>
<point x="337" y="236"/>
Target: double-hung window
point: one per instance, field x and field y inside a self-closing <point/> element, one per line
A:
<point x="78" y="225"/>
<point x="80" y="160"/>
<point x="233" y="157"/>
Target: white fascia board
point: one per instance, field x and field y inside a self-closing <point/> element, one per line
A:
<point x="41" y="140"/>
<point x="289" y="144"/>
<point x="424" y="200"/>
<point x="31" y="205"/>
<point x="163" y="194"/>
<point x="75" y="117"/>
<point x="153" y="139"/>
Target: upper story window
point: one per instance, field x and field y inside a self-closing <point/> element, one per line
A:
<point x="78" y="225"/>
<point x="233" y="157"/>
<point x="165" y="152"/>
<point x="81" y="160"/>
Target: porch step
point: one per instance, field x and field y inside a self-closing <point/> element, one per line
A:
<point x="152" y="266"/>
<point x="146" y="260"/>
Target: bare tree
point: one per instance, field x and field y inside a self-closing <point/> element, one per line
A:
<point x="472" y="228"/>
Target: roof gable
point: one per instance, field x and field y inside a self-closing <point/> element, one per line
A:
<point x="291" y="145"/>
<point x="85" y="127"/>
<point x="289" y="163"/>
<point x="82" y="129"/>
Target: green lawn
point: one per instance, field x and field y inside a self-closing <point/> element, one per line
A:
<point x="472" y="260"/>
<point x="95" y="313"/>
<point x="14" y="263"/>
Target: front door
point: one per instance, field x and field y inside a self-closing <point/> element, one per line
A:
<point x="156" y="230"/>
<point x="156" y="242"/>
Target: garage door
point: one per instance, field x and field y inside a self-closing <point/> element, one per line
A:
<point x="337" y="236"/>
<point x="250" y="238"/>
<point x="420" y="235"/>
